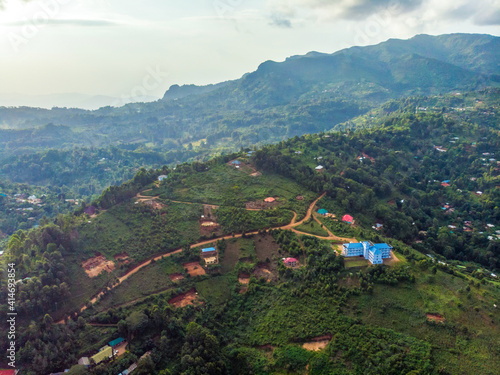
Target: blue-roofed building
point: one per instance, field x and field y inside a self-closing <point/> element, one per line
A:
<point x="322" y="212"/>
<point x="162" y="177"/>
<point x="116" y="342"/>
<point x="375" y="253"/>
<point x="236" y="162"/>
<point x="208" y="250"/>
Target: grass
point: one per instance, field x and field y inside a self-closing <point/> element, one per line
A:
<point x="355" y="263"/>
<point x="139" y="230"/>
<point x="457" y="349"/>
<point x="151" y="279"/>
<point x="231" y="256"/>
<point x="227" y="186"/>
<point x="312" y="227"/>
<point x="216" y="290"/>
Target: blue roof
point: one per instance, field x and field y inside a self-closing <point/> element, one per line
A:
<point x="3" y="195"/>
<point x="446" y="181"/>
<point x="354" y="245"/>
<point x="119" y="340"/>
<point x="208" y="249"/>
<point x="322" y="211"/>
<point x="382" y="246"/>
<point x="236" y="162"/>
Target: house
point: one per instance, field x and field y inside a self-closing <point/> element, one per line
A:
<point x="348" y="219"/>
<point x="84" y="361"/>
<point x="319" y="168"/>
<point x="210" y="260"/>
<point x="323" y="212"/>
<point x="236" y="162"/>
<point x="162" y="177"/>
<point x="375" y="253"/>
<point x="270" y="200"/>
<point x="445" y="184"/>
<point x="116" y="342"/>
<point x="105" y="353"/>
<point x="209" y="251"/>
<point x="290" y="262"/>
<point x="8" y="372"/>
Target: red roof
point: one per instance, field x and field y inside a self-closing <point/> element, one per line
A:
<point x="348" y="218"/>
<point x="269" y="200"/>
<point x="291" y="260"/>
<point x="445" y="184"/>
<point x="7" y="372"/>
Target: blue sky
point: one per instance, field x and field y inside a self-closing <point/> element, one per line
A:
<point x="110" y="47"/>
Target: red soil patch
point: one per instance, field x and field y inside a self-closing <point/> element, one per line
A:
<point x="123" y="258"/>
<point x="435" y="318"/>
<point x="244" y="278"/>
<point x="194" y="268"/>
<point x="300" y="198"/>
<point x="317" y="343"/>
<point x="176" y="277"/>
<point x="184" y="299"/>
<point x="94" y="266"/>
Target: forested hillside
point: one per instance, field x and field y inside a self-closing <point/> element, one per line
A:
<point x="426" y="183"/>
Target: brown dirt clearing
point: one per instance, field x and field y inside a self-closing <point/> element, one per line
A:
<point x="94" y="266"/>
<point x="436" y="318"/>
<point x="176" y="277"/>
<point x="194" y="268"/>
<point x="184" y="299"/>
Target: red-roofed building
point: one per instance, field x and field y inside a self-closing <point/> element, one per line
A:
<point x="445" y="184"/>
<point x="290" y="262"/>
<point x="348" y="219"/>
<point x="8" y="372"/>
<point x="270" y="200"/>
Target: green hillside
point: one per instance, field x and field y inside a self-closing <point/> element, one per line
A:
<point x="430" y="309"/>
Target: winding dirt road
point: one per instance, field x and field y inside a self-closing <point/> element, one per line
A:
<point x="290" y="226"/>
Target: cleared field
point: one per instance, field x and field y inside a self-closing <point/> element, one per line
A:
<point x="194" y="269"/>
<point x="355" y="262"/>
<point x="231" y="256"/>
<point x="312" y="227"/>
<point x="216" y="290"/>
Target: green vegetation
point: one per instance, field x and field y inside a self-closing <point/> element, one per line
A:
<point x="312" y="227"/>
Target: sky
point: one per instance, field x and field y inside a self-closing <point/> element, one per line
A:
<point x="131" y="49"/>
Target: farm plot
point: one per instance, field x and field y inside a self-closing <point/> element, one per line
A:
<point x="194" y="269"/>
<point x="94" y="266"/>
<point x="184" y="299"/>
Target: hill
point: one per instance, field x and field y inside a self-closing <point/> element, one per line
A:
<point x="134" y="268"/>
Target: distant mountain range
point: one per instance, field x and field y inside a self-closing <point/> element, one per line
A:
<point x="69" y="100"/>
<point x="303" y="94"/>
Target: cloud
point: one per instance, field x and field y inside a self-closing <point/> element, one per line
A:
<point x="479" y="12"/>
<point x="280" y="20"/>
<point x="68" y="22"/>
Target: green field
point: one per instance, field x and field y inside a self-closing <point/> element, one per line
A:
<point x="227" y="186"/>
<point x="216" y="290"/>
<point x="151" y="279"/>
<point x="404" y="308"/>
<point x="139" y="230"/>
<point x="312" y="227"/>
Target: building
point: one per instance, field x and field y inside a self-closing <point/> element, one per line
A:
<point x="162" y="177"/>
<point x="236" y="162"/>
<point x="290" y="262"/>
<point x="323" y="212"/>
<point x="319" y="168"/>
<point x="348" y="219"/>
<point x="270" y="200"/>
<point x="8" y="372"/>
<point x="104" y="353"/>
<point x="84" y="361"/>
<point x="375" y="253"/>
<point x="210" y="260"/>
<point x="209" y="251"/>
<point x="116" y="342"/>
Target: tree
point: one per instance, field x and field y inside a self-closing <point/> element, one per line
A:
<point x="201" y="353"/>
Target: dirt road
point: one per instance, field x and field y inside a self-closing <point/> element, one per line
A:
<point x="290" y="226"/>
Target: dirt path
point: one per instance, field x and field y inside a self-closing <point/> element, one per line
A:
<point x="290" y="226"/>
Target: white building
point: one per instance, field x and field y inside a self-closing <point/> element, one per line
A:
<point x="375" y="253"/>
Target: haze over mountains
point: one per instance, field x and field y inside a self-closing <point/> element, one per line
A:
<point x="303" y="94"/>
